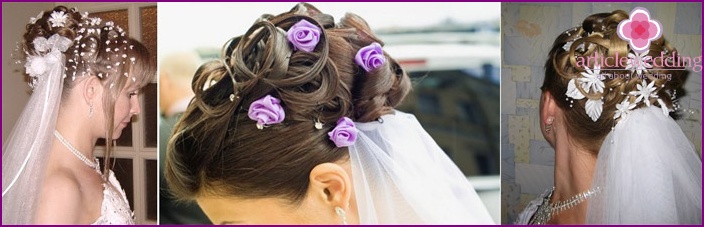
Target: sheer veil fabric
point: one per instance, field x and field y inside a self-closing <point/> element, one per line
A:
<point x="648" y="173"/>
<point x="401" y="176"/>
<point x="25" y="152"/>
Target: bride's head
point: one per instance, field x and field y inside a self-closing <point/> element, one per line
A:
<point x="585" y="103"/>
<point x="284" y="170"/>
<point x="103" y="71"/>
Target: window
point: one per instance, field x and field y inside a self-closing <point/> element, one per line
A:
<point x="468" y="112"/>
<point x="428" y="103"/>
<point x="458" y="107"/>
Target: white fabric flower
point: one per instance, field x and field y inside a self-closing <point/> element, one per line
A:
<point x="56" y="41"/>
<point x="35" y="65"/>
<point x="41" y="44"/>
<point x="33" y="20"/>
<point x="567" y="46"/>
<point x="580" y="47"/>
<point x="594" y="108"/>
<point x="59" y="42"/>
<point x="593" y="79"/>
<point x="572" y="90"/>
<point x="645" y="92"/>
<point x="38" y="64"/>
<point x="639" y="62"/>
<point x="58" y="19"/>
<point x="666" y="111"/>
<point x="623" y="108"/>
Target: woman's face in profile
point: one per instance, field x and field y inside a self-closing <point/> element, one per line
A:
<point x="230" y="210"/>
<point x="126" y="106"/>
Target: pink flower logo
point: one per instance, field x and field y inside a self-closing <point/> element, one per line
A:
<point x="639" y="30"/>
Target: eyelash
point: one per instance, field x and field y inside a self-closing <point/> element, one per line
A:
<point x="132" y="94"/>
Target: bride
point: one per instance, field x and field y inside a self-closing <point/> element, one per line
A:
<point x="619" y="156"/>
<point x="85" y="74"/>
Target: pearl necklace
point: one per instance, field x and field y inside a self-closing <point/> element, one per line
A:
<point x="546" y="210"/>
<point x="93" y="165"/>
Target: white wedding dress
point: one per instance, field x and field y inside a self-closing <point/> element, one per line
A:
<point x="115" y="210"/>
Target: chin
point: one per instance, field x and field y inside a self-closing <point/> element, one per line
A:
<point x="117" y="133"/>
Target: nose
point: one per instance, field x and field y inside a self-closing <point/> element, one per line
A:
<point x="135" y="106"/>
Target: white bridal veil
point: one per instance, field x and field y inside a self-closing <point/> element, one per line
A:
<point x="648" y="172"/>
<point x="26" y="149"/>
<point x="400" y="175"/>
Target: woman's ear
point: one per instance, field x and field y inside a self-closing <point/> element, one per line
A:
<point x="548" y="112"/>
<point x="91" y="89"/>
<point x="330" y="183"/>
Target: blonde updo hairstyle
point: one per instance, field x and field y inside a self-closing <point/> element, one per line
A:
<point x="598" y="34"/>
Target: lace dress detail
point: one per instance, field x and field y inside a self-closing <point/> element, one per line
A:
<point x="115" y="209"/>
<point x="531" y="210"/>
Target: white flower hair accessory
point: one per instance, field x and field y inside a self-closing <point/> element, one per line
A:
<point x="639" y="62"/>
<point x="48" y="54"/>
<point x="591" y="81"/>
<point x="58" y="19"/>
<point x="623" y="108"/>
<point x="644" y="92"/>
<point x="33" y="20"/>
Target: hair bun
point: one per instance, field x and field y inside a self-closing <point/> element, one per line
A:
<point x="590" y="113"/>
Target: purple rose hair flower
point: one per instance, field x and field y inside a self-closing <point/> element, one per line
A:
<point x="266" y="111"/>
<point x="370" y="57"/>
<point x="303" y="35"/>
<point x="344" y="134"/>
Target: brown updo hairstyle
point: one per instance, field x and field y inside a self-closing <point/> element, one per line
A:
<point x="99" y="49"/>
<point x="216" y="150"/>
<point x="598" y="34"/>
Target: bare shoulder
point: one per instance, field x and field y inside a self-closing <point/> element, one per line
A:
<point x="60" y="199"/>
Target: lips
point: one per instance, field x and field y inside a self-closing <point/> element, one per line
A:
<point x="125" y="123"/>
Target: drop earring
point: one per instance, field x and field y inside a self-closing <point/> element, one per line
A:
<point x="340" y="212"/>
<point x="90" y="110"/>
<point x="548" y="126"/>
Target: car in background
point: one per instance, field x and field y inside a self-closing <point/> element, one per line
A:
<point x="455" y="97"/>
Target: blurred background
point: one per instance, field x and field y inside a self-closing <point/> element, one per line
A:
<point x="450" y="50"/>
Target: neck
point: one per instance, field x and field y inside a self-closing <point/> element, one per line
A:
<point x="574" y="168"/>
<point x="76" y="133"/>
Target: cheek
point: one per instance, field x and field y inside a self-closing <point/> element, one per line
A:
<point x="122" y="109"/>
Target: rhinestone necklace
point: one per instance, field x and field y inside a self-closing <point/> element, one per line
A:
<point x="545" y="210"/>
<point x="93" y="165"/>
<point x="575" y="200"/>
